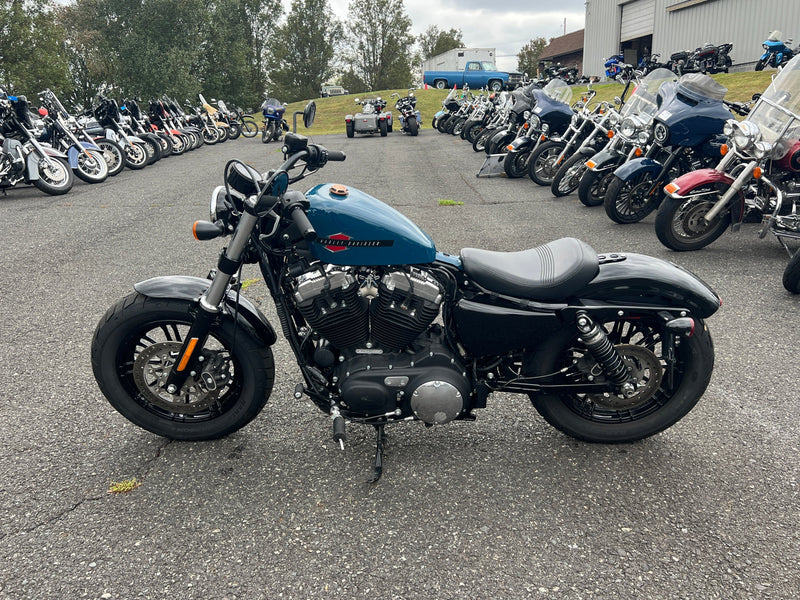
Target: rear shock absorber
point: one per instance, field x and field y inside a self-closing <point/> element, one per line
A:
<point x="596" y="341"/>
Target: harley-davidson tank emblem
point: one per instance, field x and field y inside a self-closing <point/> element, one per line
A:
<point x="340" y="241"/>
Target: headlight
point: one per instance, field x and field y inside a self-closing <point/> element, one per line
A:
<point x="643" y="138"/>
<point x="762" y="149"/>
<point x="745" y="134"/>
<point x="661" y="133"/>
<point x="526" y="115"/>
<point x="628" y="127"/>
<point x="223" y="207"/>
<point x="729" y="126"/>
<point x="614" y="118"/>
<point x="270" y="111"/>
<point x="574" y="121"/>
<point x="535" y="122"/>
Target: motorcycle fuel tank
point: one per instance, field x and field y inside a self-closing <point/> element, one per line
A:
<point x="353" y="228"/>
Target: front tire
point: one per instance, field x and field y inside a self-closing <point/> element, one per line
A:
<point x="542" y="163"/>
<point x="610" y="418"/>
<point x="593" y="185"/>
<point x="249" y="129"/>
<point x="56" y="178"/>
<point x="268" y="132"/>
<point x="92" y="168"/>
<point x="112" y="154"/>
<point x="515" y="164"/>
<point x="568" y="176"/>
<point x="791" y="275"/>
<point x="679" y="221"/>
<point x="135" y="156"/>
<point x="132" y="353"/>
<point x="627" y="201"/>
<point x="761" y="64"/>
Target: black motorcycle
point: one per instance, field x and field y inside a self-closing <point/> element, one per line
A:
<point x="410" y="118"/>
<point x="384" y="329"/>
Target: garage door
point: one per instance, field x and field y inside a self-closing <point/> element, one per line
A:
<point x="637" y="19"/>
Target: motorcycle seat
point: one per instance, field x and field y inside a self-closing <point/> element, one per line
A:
<point x="553" y="271"/>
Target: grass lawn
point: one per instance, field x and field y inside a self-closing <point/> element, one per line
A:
<point x="331" y="111"/>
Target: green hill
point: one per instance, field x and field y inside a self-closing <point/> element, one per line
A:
<point x="331" y="111"/>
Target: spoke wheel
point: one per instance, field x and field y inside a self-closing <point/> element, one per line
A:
<point x="657" y="403"/>
<point x="568" y="176"/>
<point x="135" y="348"/>
<point x="631" y="201"/>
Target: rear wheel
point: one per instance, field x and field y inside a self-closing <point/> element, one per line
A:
<point x="659" y="401"/>
<point x="350" y="129"/>
<point x="134" y="349"/>
<point x="383" y="128"/>
<point x="413" y="126"/>
<point x="630" y="201"/>
<point x="791" y="275"/>
<point x="680" y="222"/>
<point x="542" y="163"/>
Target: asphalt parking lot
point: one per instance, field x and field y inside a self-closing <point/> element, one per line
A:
<point x="502" y="508"/>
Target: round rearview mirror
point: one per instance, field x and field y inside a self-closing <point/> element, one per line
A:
<point x="309" y="112"/>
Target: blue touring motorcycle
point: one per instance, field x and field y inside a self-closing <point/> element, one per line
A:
<point x="685" y="134"/>
<point x="777" y="52"/>
<point x="609" y="347"/>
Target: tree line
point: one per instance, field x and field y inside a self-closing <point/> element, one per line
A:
<point x="237" y="50"/>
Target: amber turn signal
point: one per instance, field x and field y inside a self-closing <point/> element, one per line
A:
<point x="723" y="150"/>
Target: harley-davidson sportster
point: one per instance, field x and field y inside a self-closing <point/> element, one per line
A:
<point x="610" y="347"/>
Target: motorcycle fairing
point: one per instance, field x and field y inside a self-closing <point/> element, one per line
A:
<point x="184" y="287"/>
<point x="356" y="229"/>
<point x="691" y="116"/>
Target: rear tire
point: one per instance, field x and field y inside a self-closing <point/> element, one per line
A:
<point x="791" y="275"/>
<point x="350" y="129"/>
<point x="383" y="128"/>
<point x="608" y="418"/>
<point x="413" y="126"/>
<point x="131" y="351"/>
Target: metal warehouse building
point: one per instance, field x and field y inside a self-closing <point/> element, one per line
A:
<point x="667" y="26"/>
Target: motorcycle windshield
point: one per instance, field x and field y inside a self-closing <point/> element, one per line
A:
<point x="777" y="112"/>
<point x="643" y="100"/>
<point x="559" y="91"/>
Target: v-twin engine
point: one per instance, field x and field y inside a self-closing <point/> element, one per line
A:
<point x="377" y="343"/>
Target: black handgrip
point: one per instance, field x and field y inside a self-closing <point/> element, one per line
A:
<point x="336" y="155"/>
<point x="303" y="224"/>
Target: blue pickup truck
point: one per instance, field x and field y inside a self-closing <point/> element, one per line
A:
<point x="476" y="74"/>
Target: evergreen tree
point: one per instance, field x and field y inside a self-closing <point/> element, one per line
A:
<point x="433" y="42"/>
<point x="528" y="56"/>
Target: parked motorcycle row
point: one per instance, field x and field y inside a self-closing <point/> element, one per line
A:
<point x="50" y="147"/>
<point x="674" y="147"/>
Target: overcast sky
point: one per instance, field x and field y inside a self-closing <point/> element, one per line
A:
<point x="506" y="24"/>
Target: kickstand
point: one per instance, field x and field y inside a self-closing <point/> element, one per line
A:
<point x="379" y="453"/>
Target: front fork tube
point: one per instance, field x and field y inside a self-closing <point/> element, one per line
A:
<point x="210" y="305"/>
<point x="734" y="188"/>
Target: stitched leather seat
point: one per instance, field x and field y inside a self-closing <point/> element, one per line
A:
<point x="550" y="272"/>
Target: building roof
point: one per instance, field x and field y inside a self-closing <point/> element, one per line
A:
<point x="566" y="44"/>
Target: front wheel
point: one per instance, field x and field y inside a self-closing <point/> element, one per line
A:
<point x="659" y="400"/>
<point x="632" y="200"/>
<point x="211" y="134"/>
<point x="515" y="164"/>
<point x="92" y="167"/>
<point x="593" y="185"/>
<point x="135" y="156"/>
<point x="542" y="165"/>
<point x="791" y="275"/>
<point x="55" y="176"/>
<point x="268" y="132"/>
<point x="249" y="129"/>
<point x="680" y="222"/>
<point x="568" y="176"/>
<point x="234" y="131"/>
<point x="133" y="351"/>
<point x="761" y="64"/>
<point x="112" y="154"/>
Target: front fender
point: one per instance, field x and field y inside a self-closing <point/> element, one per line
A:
<point x="184" y="287"/>
<point x="637" y="166"/>
<point x="74" y="151"/>
<point x="522" y="144"/>
<point x="605" y="159"/>
<point x="686" y="184"/>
